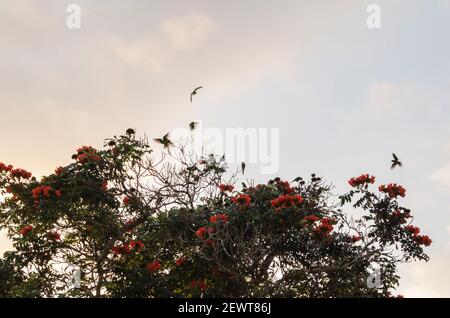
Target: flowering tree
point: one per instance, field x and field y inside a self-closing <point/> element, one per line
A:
<point x="141" y="225"/>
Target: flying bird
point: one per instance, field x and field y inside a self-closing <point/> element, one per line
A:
<point x="395" y="161"/>
<point x="194" y="92"/>
<point x="165" y="141"/>
<point x="193" y="125"/>
<point x="243" y="167"/>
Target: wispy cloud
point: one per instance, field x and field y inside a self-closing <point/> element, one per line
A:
<point x="442" y="176"/>
<point x="190" y="31"/>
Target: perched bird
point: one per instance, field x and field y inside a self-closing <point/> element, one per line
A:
<point x="165" y="141"/>
<point x="130" y="131"/>
<point x="194" y="92"/>
<point x="243" y="167"/>
<point x="211" y="159"/>
<point x="395" y="161"/>
<point x="193" y="125"/>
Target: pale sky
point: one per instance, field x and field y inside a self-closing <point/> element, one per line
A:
<point x="343" y="96"/>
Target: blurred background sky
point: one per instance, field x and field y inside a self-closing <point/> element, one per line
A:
<point x="343" y="96"/>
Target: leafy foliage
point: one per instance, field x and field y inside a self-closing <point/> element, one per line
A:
<point x="174" y="226"/>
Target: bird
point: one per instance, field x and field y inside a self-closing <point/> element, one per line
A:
<point x="395" y="161"/>
<point x="194" y="92"/>
<point x="297" y="179"/>
<point x="211" y="159"/>
<point x="130" y="131"/>
<point x="165" y="141"/>
<point x="193" y="125"/>
<point x="243" y="167"/>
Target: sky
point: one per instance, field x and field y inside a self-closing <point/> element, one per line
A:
<point x="342" y="96"/>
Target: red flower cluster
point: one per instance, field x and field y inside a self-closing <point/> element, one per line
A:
<point x="5" y="168"/>
<point x="286" y="201"/>
<point x="54" y="236"/>
<point x="200" y="284"/>
<point x="423" y="240"/>
<point x="311" y="218"/>
<point x="180" y="261"/>
<point x="201" y="232"/>
<point x="284" y="186"/>
<point x="154" y="266"/>
<point x="420" y="239"/>
<point x="104" y="185"/>
<point x="219" y="218"/>
<point x="20" y="173"/>
<point x="59" y="170"/>
<point x="361" y="180"/>
<point x="355" y="238"/>
<point x="242" y="199"/>
<point x="414" y="230"/>
<point x="44" y="191"/>
<point x="126" y="201"/>
<point x="87" y="154"/>
<point x="26" y="229"/>
<point x="325" y="227"/>
<point x="393" y="190"/>
<point x="127" y="248"/>
<point x="226" y="188"/>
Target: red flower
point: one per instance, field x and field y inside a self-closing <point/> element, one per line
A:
<point x="311" y="218"/>
<point x="201" y="233"/>
<point x="361" y="180"/>
<point x="284" y="186"/>
<point x="58" y="193"/>
<point x="126" y="201"/>
<point x="180" y="261"/>
<point x="87" y="154"/>
<point x="423" y="240"/>
<point x="26" y="229"/>
<point x="54" y="236"/>
<point x="414" y="230"/>
<point x="5" y="168"/>
<point x="59" y="170"/>
<point x="219" y="218"/>
<point x="136" y="245"/>
<point x="153" y="267"/>
<point x="9" y="189"/>
<point x="242" y="199"/>
<point x="355" y="238"/>
<point x="325" y="227"/>
<point x="226" y="187"/>
<point x="200" y="284"/>
<point x="116" y="250"/>
<point x="286" y="201"/>
<point x="42" y="190"/>
<point x="20" y="173"/>
<point x="393" y="190"/>
<point x="104" y="185"/>
<point x="127" y="248"/>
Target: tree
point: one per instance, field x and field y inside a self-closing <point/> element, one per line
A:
<point x="141" y="225"/>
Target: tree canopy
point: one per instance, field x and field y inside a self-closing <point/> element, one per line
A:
<point x="141" y="224"/>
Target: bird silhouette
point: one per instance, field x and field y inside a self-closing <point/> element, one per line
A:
<point x="395" y="161"/>
<point x="193" y="125"/>
<point x="243" y="167"/>
<point x="194" y="92"/>
<point x="165" y="141"/>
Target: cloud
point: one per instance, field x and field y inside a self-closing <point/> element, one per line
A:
<point x="442" y="176"/>
<point x="421" y="279"/>
<point x="189" y="31"/>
